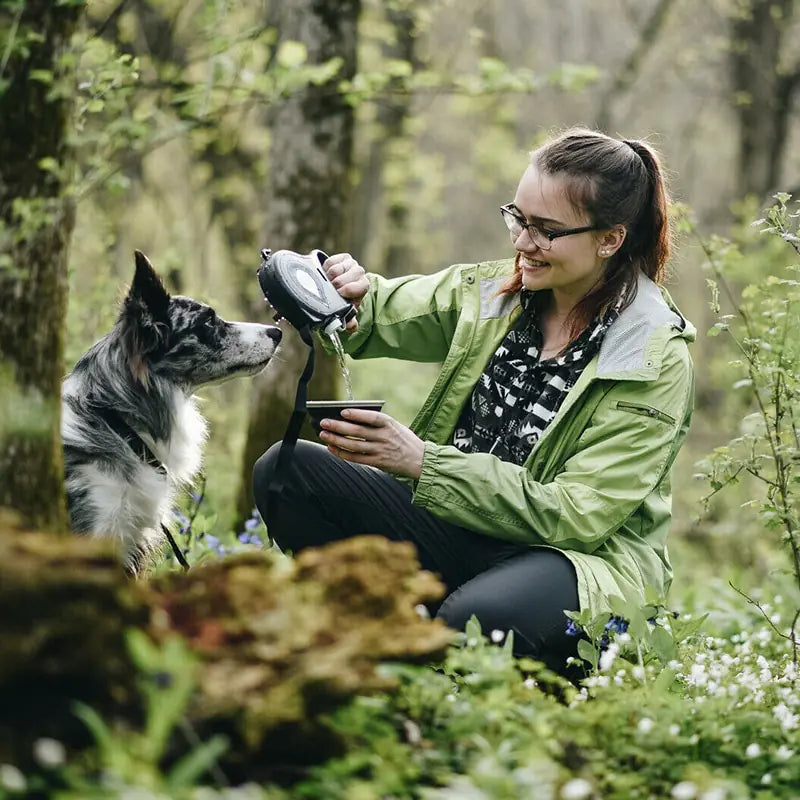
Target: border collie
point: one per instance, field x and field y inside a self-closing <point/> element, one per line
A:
<point x="130" y="427"/>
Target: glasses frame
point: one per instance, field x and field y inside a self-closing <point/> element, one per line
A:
<point x="508" y="208"/>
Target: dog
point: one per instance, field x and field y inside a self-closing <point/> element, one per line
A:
<point x="131" y="431"/>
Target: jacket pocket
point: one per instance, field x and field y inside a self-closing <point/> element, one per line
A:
<point x="645" y="411"/>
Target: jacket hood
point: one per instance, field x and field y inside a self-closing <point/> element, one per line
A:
<point x="628" y="345"/>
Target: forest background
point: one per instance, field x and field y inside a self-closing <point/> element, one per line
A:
<point x="200" y="132"/>
<point x="448" y="101"/>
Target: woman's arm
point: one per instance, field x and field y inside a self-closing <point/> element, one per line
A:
<point x="411" y="318"/>
<point x="619" y="459"/>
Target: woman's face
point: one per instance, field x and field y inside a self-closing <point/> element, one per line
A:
<point x="573" y="264"/>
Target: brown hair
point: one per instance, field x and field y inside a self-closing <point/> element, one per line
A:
<point x="615" y="182"/>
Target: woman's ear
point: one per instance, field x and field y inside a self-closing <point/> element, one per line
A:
<point x="611" y="241"/>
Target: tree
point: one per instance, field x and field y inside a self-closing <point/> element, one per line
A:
<point x="36" y="220"/>
<point x="377" y="197"/>
<point x="764" y="80"/>
<point x="308" y="193"/>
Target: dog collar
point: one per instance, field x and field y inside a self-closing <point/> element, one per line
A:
<point x="117" y="423"/>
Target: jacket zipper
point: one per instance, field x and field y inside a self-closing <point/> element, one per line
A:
<point x="645" y="411"/>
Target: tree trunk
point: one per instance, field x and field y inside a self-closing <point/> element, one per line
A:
<point x="376" y="198"/>
<point x="36" y="221"/>
<point x="762" y="88"/>
<point x="307" y="200"/>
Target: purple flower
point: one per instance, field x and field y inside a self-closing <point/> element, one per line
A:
<point x="180" y="516"/>
<point x="617" y="624"/>
<point x="252" y="523"/>
<point x="572" y="628"/>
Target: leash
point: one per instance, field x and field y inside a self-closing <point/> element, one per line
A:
<point x="175" y="549"/>
<point x="117" y="423"/>
<point x="290" y="436"/>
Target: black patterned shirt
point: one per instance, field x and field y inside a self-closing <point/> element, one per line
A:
<point x="517" y="395"/>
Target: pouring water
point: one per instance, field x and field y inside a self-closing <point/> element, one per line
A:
<point x="334" y="337"/>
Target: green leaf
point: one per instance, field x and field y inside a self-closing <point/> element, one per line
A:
<point x="186" y="772"/>
<point x="588" y="652"/>
<point x="663" y="644"/>
<point x="291" y="54"/>
<point x="42" y="76"/>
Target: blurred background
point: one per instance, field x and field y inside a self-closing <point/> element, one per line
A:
<point x="209" y="129"/>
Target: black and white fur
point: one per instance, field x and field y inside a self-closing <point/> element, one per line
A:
<point x="130" y="427"/>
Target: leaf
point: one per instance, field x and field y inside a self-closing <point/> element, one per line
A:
<point x="663" y="645"/>
<point x="291" y="54"/>
<point x="665" y="680"/>
<point x="42" y="76"/>
<point x="186" y="772"/>
<point x="588" y="652"/>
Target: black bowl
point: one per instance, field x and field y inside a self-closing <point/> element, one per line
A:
<point x="332" y="409"/>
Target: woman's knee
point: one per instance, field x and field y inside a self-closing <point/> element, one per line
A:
<point x="527" y="595"/>
<point x="264" y="470"/>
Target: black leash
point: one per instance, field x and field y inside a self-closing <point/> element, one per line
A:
<point x="175" y="549"/>
<point x="281" y="473"/>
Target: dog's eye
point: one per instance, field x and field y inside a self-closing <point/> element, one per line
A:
<point x="210" y="321"/>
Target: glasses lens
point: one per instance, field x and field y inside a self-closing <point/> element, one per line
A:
<point x="512" y="223"/>
<point x="515" y="226"/>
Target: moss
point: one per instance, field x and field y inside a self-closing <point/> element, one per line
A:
<point x="281" y="643"/>
<point x="65" y="606"/>
<point x="281" y="647"/>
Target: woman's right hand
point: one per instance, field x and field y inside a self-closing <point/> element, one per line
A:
<point x="349" y="279"/>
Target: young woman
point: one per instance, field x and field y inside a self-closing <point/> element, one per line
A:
<point x="535" y="478"/>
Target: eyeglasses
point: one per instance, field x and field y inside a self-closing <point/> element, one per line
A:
<point x="541" y="237"/>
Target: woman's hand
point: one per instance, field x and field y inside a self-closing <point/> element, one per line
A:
<point x="349" y="279"/>
<point x="381" y="442"/>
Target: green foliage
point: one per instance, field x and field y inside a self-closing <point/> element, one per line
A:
<point x="134" y="758"/>
<point x="764" y="328"/>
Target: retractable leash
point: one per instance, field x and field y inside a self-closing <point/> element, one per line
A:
<point x="298" y="290"/>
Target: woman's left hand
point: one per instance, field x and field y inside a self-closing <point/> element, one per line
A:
<point x="381" y="441"/>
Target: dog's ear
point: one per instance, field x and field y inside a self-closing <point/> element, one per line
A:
<point x="144" y="318"/>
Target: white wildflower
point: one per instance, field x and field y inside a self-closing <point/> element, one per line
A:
<point x="529" y="683"/>
<point x="714" y="793"/>
<point x="685" y="790"/>
<point x="49" y="752"/>
<point x="497" y="636"/>
<point x="638" y="672"/>
<point x="788" y="721"/>
<point x="753" y="750"/>
<point x="697" y="675"/>
<point x="11" y="778"/>
<point x="783" y="753"/>
<point x="607" y="657"/>
<point x="576" y="789"/>
<point x="766" y="779"/>
<point x="645" y="725"/>
<point x="674" y="729"/>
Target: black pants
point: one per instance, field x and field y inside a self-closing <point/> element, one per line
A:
<point x="506" y="586"/>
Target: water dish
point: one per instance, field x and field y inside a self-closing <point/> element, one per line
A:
<point x="332" y="409"/>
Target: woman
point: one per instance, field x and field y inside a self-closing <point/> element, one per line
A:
<point x="535" y="478"/>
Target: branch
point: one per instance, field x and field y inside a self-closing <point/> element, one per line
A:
<point x="630" y="70"/>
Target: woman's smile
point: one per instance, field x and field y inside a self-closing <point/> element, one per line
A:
<point x="532" y="264"/>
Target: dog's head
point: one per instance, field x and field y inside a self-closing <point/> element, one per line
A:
<point x="183" y="340"/>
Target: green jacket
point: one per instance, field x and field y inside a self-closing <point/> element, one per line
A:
<point x="597" y="483"/>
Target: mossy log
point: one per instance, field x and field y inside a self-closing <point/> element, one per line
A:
<point x="280" y="642"/>
<point x="65" y="604"/>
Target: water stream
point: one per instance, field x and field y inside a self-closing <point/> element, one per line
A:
<point x="342" y="365"/>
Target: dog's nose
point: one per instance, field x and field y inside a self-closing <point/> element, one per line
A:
<point x="274" y="333"/>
